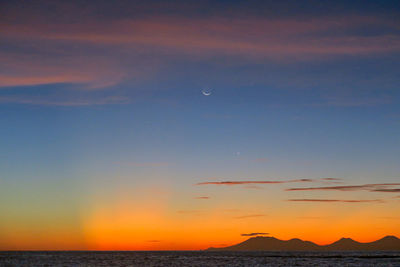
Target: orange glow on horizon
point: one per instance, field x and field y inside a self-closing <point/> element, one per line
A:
<point x="123" y="221"/>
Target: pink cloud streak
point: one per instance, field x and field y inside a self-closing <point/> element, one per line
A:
<point x="252" y="37"/>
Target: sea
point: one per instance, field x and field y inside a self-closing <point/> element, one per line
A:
<point x="197" y="258"/>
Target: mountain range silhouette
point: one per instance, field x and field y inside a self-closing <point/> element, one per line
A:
<point x="261" y="243"/>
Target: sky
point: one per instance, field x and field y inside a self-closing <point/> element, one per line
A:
<point x="109" y="142"/>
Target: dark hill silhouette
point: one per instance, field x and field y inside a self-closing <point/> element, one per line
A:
<point x="261" y="243"/>
<point x="387" y="243"/>
<point x="345" y="244"/>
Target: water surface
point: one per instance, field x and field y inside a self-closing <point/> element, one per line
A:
<point x="197" y="258"/>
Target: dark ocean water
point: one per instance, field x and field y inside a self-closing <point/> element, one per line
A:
<point x="198" y="258"/>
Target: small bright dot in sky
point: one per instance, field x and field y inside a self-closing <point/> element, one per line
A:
<point x="206" y="91"/>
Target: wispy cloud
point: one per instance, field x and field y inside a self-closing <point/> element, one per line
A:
<point x="203" y="197"/>
<point x="239" y="182"/>
<point x="254" y="234"/>
<point x="249" y="216"/>
<point x="8" y="80"/>
<point x="268" y="182"/>
<point x="393" y="190"/>
<point x="368" y="187"/>
<point x="331" y="179"/>
<point x="93" y="53"/>
<point x="335" y="200"/>
<point x="252" y="182"/>
<point x="243" y="36"/>
<point x="107" y="52"/>
<point x="42" y="101"/>
<point x="86" y="72"/>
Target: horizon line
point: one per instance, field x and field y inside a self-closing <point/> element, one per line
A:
<point x="205" y="249"/>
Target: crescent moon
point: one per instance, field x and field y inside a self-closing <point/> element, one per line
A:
<point x="206" y="92"/>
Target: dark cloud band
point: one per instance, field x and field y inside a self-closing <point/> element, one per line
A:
<point x="254" y="234"/>
<point x="385" y="187"/>
<point x="267" y="182"/>
<point x="335" y="200"/>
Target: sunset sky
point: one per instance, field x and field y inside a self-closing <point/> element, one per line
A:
<point x="108" y="142"/>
